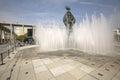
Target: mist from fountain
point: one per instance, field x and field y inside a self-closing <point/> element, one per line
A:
<point x="91" y="35"/>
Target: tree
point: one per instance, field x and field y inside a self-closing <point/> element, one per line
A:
<point x="21" y="37"/>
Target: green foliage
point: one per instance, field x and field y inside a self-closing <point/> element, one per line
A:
<point x="21" y="37"/>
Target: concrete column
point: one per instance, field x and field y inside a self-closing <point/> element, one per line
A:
<point x="3" y="36"/>
<point x="11" y="34"/>
<point x="14" y="43"/>
<point x="0" y="35"/>
<point x="13" y="31"/>
<point x="23" y="29"/>
<point x="33" y="32"/>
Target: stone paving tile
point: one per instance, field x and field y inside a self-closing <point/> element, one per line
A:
<point x="36" y="57"/>
<point x="77" y="73"/>
<point x="100" y="75"/>
<point x="57" y="71"/>
<point x="117" y="76"/>
<point x="105" y="72"/>
<point x="86" y="68"/>
<point x="25" y="63"/>
<point x="40" y="69"/>
<point x="26" y="70"/>
<point x="65" y="76"/>
<point x="26" y="74"/>
<point x="46" y="75"/>
<point x="4" y="67"/>
<point x="36" y="60"/>
<point x="52" y="57"/>
<point x="52" y="79"/>
<point x="15" y="74"/>
<point x="76" y="63"/>
<point x="88" y="77"/>
<point x="16" y="70"/>
<point x="60" y="63"/>
<point x="11" y="64"/>
<point x="112" y="65"/>
<point x="52" y="65"/>
<point x="6" y="73"/>
<point x="47" y="61"/>
<point x="67" y="67"/>
<point x="68" y="60"/>
<point x="37" y="63"/>
<point x="95" y="64"/>
<point x="25" y="66"/>
<point x="56" y="59"/>
<point x="84" y="61"/>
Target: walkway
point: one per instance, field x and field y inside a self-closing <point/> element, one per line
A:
<point x="30" y="64"/>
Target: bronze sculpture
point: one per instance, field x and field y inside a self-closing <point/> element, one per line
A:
<point x="69" y="20"/>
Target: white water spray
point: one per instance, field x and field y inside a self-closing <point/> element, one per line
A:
<point x="93" y="36"/>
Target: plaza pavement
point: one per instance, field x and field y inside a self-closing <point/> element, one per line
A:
<point x="3" y="47"/>
<point x="30" y="64"/>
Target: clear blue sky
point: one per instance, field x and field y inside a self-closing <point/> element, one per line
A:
<point x="33" y="11"/>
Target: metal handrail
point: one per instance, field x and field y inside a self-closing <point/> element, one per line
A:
<point x="5" y="52"/>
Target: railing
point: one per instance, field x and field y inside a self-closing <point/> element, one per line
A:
<point x="5" y="53"/>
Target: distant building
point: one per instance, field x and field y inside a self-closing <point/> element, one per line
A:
<point x="19" y="31"/>
<point x="4" y="35"/>
<point x="26" y="31"/>
<point x="29" y="32"/>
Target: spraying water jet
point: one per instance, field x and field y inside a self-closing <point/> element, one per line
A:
<point x="90" y="35"/>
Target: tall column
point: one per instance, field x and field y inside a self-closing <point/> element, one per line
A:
<point x="23" y="29"/>
<point x="3" y="35"/>
<point x="0" y="34"/>
<point x="13" y="31"/>
<point x="14" y="43"/>
<point x="11" y="34"/>
<point x="33" y="32"/>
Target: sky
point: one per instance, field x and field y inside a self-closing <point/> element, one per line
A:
<point x="46" y="11"/>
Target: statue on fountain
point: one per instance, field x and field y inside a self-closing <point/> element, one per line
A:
<point x="69" y="20"/>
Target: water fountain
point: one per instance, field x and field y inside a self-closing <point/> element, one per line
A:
<point x="91" y="35"/>
<point x="69" y="21"/>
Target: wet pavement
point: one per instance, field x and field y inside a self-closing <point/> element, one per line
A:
<point x="31" y="64"/>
